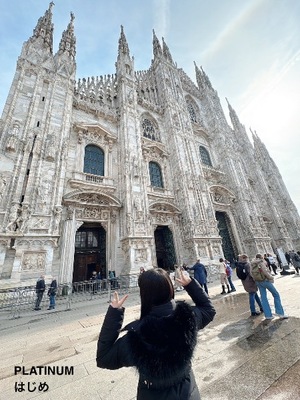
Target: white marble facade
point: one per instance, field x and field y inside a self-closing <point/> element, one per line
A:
<point x="210" y="170"/>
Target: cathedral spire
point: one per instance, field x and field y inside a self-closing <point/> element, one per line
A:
<point x="44" y="28"/>
<point x="67" y="43"/>
<point x="259" y="146"/>
<point x="262" y="153"/>
<point x="157" y="51"/>
<point x="166" y="51"/>
<point x="233" y="116"/>
<point x="125" y="63"/>
<point x="201" y="77"/>
<point x="123" y="45"/>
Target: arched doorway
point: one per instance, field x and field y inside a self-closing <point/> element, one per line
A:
<point x="165" y="250"/>
<point x="90" y="252"/>
<point x="226" y="235"/>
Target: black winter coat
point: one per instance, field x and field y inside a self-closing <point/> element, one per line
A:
<point x="160" y="346"/>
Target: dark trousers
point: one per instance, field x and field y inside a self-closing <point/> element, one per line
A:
<point x="274" y="268"/>
<point x="39" y="297"/>
<point x="204" y="285"/>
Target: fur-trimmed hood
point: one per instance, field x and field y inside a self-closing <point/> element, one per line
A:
<point x="162" y="346"/>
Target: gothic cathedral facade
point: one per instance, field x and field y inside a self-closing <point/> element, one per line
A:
<point x="128" y="170"/>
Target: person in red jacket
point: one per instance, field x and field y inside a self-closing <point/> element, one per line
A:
<point x="160" y="345"/>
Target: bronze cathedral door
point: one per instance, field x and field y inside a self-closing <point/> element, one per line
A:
<point x="165" y="250"/>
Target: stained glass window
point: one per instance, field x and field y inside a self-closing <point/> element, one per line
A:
<point x="94" y="160"/>
<point x="155" y="175"/>
<point x="204" y="154"/>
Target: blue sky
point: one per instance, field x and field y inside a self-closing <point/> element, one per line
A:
<point x="249" y="49"/>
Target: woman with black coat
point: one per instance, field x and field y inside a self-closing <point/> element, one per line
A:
<point x="161" y="343"/>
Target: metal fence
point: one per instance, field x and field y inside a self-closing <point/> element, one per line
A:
<point x="17" y="301"/>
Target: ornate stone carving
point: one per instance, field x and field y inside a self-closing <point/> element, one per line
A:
<point x="221" y="195"/>
<point x="13" y="218"/>
<point x="3" y="185"/>
<point x="92" y="213"/>
<point x="33" y="261"/>
<point x="57" y="211"/>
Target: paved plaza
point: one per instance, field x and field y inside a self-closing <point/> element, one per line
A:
<point x="238" y="357"/>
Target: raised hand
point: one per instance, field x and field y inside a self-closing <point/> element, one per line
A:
<point x="184" y="279"/>
<point x="116" y="302"/>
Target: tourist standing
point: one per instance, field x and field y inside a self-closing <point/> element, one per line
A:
<point x="264" y="280"/>
<point x="200" y="274"/>
<point x="39" y="290"/>
<point x="243" y="272"/>
<point x="229" y="276"/>
<point x="52" y="293"/>
<point x="223" y="276"/>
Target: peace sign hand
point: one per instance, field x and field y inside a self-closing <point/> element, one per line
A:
<point x="116" y="302"/>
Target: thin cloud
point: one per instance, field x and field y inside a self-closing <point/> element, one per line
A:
<point x="266" y="83"/>
<point x="162" y="9"/>
<point x="230" y="30"/>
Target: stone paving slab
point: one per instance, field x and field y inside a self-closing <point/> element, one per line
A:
<point x="238" y="357"/>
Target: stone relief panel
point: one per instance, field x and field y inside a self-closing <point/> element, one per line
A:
<point x="39" y="223"/>
<point x="217" y="251"/>
<point x="91" y="198"/>
<point x="140" y="255"/>
<point x="33" y="261"/>
<point x="94" y="213"/>
<point x="202" y="250"/>
<point x="221" y="195"/>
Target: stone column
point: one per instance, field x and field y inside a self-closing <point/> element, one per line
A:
<point x="68" y="247"/>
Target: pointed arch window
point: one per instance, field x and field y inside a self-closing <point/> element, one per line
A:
<point x="94" y="160"/>
<point x="205" y="157"/>
<point x="149" y="130"/>
<point x="155" y="175"/>
<point x="192" y="112"/>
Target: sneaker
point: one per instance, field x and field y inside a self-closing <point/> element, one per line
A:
<point x="255" y="314"/>
<point x="233" y="290"/>
<point x="269" y="318"/>
<point x="284" y="316"/>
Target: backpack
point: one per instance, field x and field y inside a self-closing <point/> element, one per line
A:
<point x="241" y="272"/>
<point x="228" y="270"/>
<point x="257" y="273"/>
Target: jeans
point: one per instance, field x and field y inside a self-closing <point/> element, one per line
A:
<point x="230" y="283"/>
<point x="52" y="301"/>
<point x="252" y="297"/>
<point x="263" y="287"/>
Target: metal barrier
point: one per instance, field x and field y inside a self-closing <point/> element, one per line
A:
<point x="18" y="300"/>
<point x="213" y="273"/>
